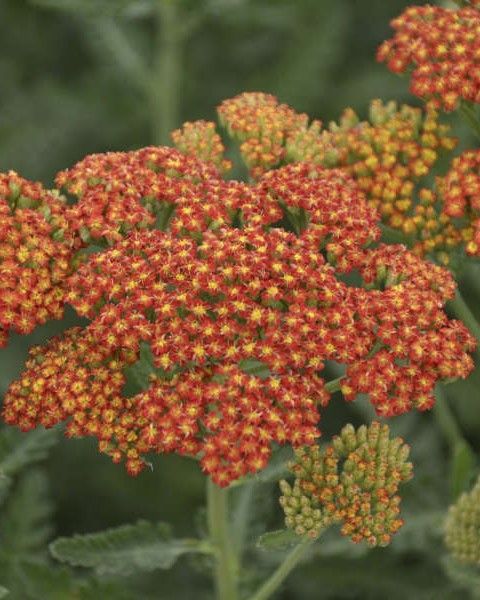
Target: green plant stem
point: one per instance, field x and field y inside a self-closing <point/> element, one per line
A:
<point x="241" y="517"/>
<point x="282" y="572"/>
<point x="469" y="114"/>
<point x="334" y="385"/>
<point x="446" y="420"/>
<point x="226" y="567"/>
<point x="461" y="310"/>
<point x="166" y="72"/>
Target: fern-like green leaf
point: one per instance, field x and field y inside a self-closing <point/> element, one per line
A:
<point x="18" y="450"/>
<point x="25" y="521"/>
<point x="42" y="582"/>
<point x="127" y="549"/>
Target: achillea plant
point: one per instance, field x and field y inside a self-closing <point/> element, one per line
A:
<point x="216" y="306"/>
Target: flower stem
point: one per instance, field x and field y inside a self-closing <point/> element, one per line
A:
<point x="447" y="422"/>
<point x="461" y="310"/>
<point x="166" y="72"/>
<point x="226" y="567"/>
<point x="282" y="572"/>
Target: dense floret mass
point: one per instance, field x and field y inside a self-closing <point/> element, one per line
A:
<point x="441" y="47"/>
<point x="35" y="250"/>
<point x="460" y="192"/>
<point x="354" y="482"/>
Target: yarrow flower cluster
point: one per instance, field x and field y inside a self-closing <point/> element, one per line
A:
<point x="389" y="157"/>
<point x="354" y="482"/>
<point x="35" y="249"/>
<point x="442" y="48"/>
<point x="262" y="125"/>
<point x="229" y="297"/>
<point x="462" y="527"/>
<point x="460" y="192"/>
<point x="200" y="139"/>
<point x="416" y="344"/>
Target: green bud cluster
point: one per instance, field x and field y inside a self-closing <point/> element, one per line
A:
<point x="354" y="481"/>
<point x="462" y="527"/>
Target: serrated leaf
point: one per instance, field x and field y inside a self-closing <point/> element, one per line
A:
<point x="252" y="366"/>
<point x="278" y="540"/>
<point x="45" y="582"/>
<point x="462" y="467"/>
<point x="25" y="521"/>
<point x="18" y="450"/>
<point x="127" y="549"/>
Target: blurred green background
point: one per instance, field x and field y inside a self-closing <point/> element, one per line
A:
<point x="84" y="76"/>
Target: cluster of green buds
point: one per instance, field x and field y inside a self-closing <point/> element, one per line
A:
<point x="462" y="527"/>
<point x="200" y="139"/>
<point x="354" y="482"/>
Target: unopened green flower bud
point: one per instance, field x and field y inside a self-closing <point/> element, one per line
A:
<point x="462" y="527"/>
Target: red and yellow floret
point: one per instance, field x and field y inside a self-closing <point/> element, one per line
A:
<point x="35" y="250"/>
<point x="441" y="48"/>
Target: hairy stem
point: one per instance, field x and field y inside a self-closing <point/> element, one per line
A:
<point x="226" y="567"/>
<point x="461" y="310"/>
<point x="166" y="72"/>
<point x="282" y="572"/>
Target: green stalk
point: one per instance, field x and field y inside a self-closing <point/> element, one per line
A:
<point x="461" y="310"/>
<point x="446" y="420"/>
<point x="462" y="456"/>
<point x="226" y="567"/>
<point x="282" y="572"/>
<point x="166" y="73"/>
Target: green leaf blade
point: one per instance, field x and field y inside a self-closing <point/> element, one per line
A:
<point x="127" y="549"/>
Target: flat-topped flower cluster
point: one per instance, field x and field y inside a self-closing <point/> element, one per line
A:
<point x="236" y="291"/>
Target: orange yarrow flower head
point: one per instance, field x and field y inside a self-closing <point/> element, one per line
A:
<point x="388" y="156"/>
<point x="231" y="316"/>
<point x="35" y="249"/>
<point x="238" y="328"/>
<point x="200" y="139"/>
<point x="441" y="47"/>
<point x="261" y="124"/>
<point x="354" y="482"/>
<point x="416" y="345"/>
<point x="459" y="190"/>
<point x="118" y="192"/>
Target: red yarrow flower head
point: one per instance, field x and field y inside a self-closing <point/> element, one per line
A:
<point x="35" y="250"/>
<point x="459" y="190"/>
<point x="441" y="47"/>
